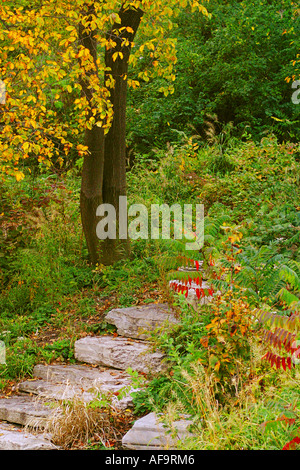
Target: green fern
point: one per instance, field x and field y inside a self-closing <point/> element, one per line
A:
<point x="269" y="276"/>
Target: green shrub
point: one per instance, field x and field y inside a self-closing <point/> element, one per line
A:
<point x="233" y="65"/>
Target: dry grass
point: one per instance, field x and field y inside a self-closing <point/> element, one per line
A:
<point x="77" y="423"/>
<point x="213" y="429"/>
<point x="239" y="424"/>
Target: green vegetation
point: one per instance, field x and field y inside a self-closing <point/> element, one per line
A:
<point x="235" y="65"/>
<point x="227" y="138"/>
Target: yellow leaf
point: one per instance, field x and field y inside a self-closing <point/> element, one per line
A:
<point x="236" y="237"/>
<point x="19" y="175"/>
<point x="25" y="147"/>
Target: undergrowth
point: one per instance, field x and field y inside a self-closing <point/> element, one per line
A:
<point x="50" y="296"/>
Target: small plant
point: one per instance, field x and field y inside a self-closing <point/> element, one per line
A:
<point x="280" y="335"/>
<point x="221" y="163"/>
<point x="189" y="280"/>
<point x="59" y="349"/>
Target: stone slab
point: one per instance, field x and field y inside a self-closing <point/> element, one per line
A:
<point x="82" y="375"/>
<point x="119" y="353"/>
<point x="54" y="391"/>
<point x="64" y="382"/>
<point x="13" y="438"/>
<point x="24" y="410"/>
<point x="148" y="433"/>
<point x="138" y="322"/>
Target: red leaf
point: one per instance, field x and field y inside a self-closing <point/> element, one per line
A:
<point x="266" y="356"/>
<point x="278" y="362"/>
<point x="289" y="421"/>
<point x="272" y="359"/>
<point x="291" y="444"/>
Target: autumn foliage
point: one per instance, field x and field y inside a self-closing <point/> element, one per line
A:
<point x="43" y="64"/>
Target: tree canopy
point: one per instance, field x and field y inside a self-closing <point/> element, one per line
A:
<point x="44" y="64"/>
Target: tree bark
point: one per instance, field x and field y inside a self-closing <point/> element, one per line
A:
<point x="104" y="167"/>
<point x="114" y="176"/>
<point x="93" y="165"/>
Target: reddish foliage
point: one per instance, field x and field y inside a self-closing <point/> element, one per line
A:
<point x="291" y="445"/>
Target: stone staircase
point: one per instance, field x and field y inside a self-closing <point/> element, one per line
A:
<point x="101" y="366"/>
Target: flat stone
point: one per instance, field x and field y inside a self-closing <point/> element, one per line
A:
<point x="64" y="382"/>
<point x="13" y="438"/>
<point x="119" y="353"/>
<point x="82" y="375"/>
<point x="138" y="322"/>
<point x="24" y="410"/>
<point x="54" y="391"/>
<point x="148" y="433"/>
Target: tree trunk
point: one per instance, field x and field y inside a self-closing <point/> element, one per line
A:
<point x="114" y="177"/>
<point x="93" y="165"/>
<point x="104" y="168"/>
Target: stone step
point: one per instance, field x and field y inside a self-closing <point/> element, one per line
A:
<point x="138" y="322"/>
<point x="25" y="411"/>
<point x="14" y="438"/>
<point x="64" y="382"/>
<point x="148" y="433"/>
<point x="119" y="353"/>
<point x="193" y="268"/>
<point x="83" y="375"/>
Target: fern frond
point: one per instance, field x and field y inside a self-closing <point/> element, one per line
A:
<point x="278" y="361"/>
<point x="246" y="276"/>
<point x="185" y="276"/>
<point x="280" y="338"/>
<point x="290" y="276"/>
<point x="287" y="297"/>
<point x="295" y="239"/>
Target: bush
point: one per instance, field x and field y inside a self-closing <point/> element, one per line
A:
<point x="236" y="65"/>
